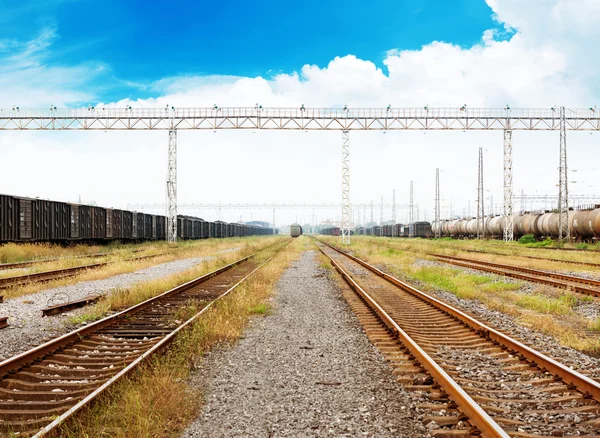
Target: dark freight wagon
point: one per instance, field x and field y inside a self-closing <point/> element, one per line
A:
<point x="28" y="220"/>
<point x="9" y="219"/>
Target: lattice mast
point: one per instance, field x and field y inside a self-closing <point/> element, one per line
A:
<point x="564" y="228"/>
<point x="411" y="212"/>
<point x="381" y="218"/>
<point x="480" y="200"/>
<point x="438" y="230"/>
<point x="508" y="186"/>
<point x="393" y="212"/>
<point x="345" y="228"/>
<point x="172" y="188"/>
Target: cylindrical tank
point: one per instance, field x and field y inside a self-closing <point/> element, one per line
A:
<point x="585" y="224"/>
<point x="495" y="226"/>
<point x="548" y="225"/>
<point x="471" y="227"/>
<point x="462" y="227"/>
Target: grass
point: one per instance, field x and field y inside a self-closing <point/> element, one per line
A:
<point x="121" y="263"/>
<point x="22" y="252"/>
<point x="546" y="309"/>
<point x="122" y="298"/>
<point x="158" y="400"/>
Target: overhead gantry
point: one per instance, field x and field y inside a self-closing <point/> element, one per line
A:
<point x="320" y="119"/>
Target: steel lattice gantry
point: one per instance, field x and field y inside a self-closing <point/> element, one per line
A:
<point x="318" y="119"/>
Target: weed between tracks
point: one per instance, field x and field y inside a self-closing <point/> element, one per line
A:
<point x="542" y="308"/>
<point x="157" y="401"/>
<point x="120" y="265"/>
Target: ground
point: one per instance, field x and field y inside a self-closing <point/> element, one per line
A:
<point x="305" y="370"/>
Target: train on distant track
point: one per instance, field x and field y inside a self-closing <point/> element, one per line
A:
<point x="584" y="225"/>
<point x="37" y="220"/>
<point x="418" y="229"/>
<point x="295" y="230"/>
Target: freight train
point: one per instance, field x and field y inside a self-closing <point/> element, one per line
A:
<point x="37" y="220"/>
<point x="295" y="230"/>
<point x="584" y="225"/>
<point x="417" y="229"/>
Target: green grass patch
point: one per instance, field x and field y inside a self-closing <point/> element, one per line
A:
<point x="544" y="304"/>
<point x="260" y="309"/>
<point x="442" y="278"/>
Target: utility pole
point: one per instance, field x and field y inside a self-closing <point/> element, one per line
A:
<point x="491" y="204"/>
<point x="372" y="212"/>
<point x="438" y="229"/>
<point x="480" y="200"/>
<point x="274" y="220"/>
<point x="564" y="228"/>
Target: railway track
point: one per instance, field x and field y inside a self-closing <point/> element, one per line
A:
<point x="43" y="387"/>
<point x="6" y="266"/>
<point x="498" y="385"/>
<point x="577" y="284"/>
<point x="571" y="262"/>
<point x="41" y="277"/>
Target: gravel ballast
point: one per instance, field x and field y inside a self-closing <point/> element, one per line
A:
<point x="27" y="328"/>
<point x="306" y="370"/>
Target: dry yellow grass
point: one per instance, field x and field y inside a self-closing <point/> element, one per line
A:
<point x="120" y="265"/>
<point x="546" y="309"/>
<point x="157" y="400"/>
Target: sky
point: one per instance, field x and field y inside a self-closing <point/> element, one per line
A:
<point x="71" y="53"/>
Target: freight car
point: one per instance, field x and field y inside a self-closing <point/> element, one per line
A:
<point x="36" y="220"/>
<point x="331" y="231"/>
<point x="295" y="230"/>
<point x="584" y="224"/>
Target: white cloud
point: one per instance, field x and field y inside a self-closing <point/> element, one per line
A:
<point x="548" y="61"/>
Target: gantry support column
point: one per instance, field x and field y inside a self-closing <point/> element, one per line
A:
<point x="508" y="186"/>
<point x="381" y="218"/>
<point x="411" y="213"/>
<point x="274" y="219"/>
<point x="345" y="228"/>
<point x="172" y="188"/>
<point x="564" y="228"/>
<point x="394" y="213"/>
<point x="438" y="225"/>
<point x="480" y="209"/>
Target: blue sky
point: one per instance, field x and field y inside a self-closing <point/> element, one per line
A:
<point x="139" y="42"/>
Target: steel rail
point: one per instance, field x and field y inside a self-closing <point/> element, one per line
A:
<point x="533" y="275"/>
<point x="14" y="363"/>
<point x="157" y="347"/>
<point x="57" y="274"/>
<point x="15" y="265"/>
<point x="477" y="416"/>
<point x="586" y="385"/>
<point x="571" y="262"/>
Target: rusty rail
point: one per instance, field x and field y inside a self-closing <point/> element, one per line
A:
<point x="477" y="416"/>
<point x="41" y="277"/>
<point x="115" y="345"/>
<point x="70" y="305"/>
<point x="534" y="275"/>
<point x="572" y="379"/>
<point x="545" y="259"/>
<point x="3" y="322"/>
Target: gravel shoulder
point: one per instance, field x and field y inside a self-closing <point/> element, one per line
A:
<point x="305" y="370"/>
<point x="27" y="328"/>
